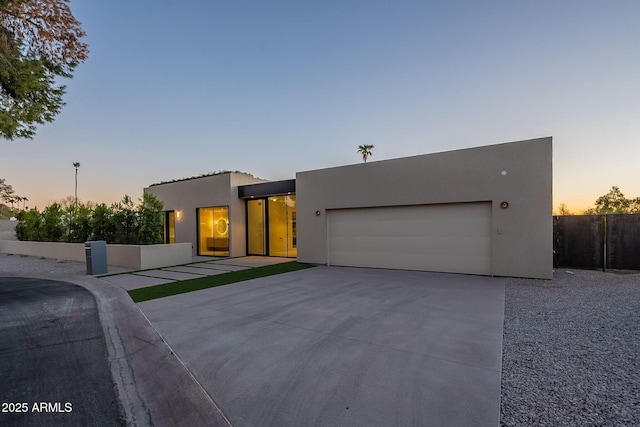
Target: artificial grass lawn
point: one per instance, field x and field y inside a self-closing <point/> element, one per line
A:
<point x="175" y="288"/>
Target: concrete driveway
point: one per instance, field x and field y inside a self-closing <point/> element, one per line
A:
<point x="343" y="346"/>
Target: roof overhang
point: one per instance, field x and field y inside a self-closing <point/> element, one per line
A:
<point x="265" y="189"/>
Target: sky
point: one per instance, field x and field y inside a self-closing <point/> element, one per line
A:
<point x="272" y="87"/>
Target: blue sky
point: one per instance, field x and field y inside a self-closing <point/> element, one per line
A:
<point x="176" y="89"/>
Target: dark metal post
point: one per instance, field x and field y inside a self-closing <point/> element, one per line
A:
<point x="604" y="251"/>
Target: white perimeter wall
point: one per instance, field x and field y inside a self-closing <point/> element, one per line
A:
<point x="7" y="229"/>
<point x="138" y="257"/>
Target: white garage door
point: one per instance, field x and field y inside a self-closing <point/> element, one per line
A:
<point x="449" y="237"/>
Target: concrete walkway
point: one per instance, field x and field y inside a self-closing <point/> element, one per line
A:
<point x="343" y="346"/>
<point x="200" y="268"/>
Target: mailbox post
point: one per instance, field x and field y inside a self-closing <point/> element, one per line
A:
<point x="96" y="254"/>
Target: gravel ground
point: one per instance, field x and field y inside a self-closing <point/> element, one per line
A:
<point x="21" y="265"/>
<point x="571" y="350"/>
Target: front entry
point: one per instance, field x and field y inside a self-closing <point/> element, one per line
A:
<point x="271" y="226"/>
<point x="213" y="231"/>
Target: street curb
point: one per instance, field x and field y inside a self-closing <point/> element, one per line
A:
<point x="153" y="386"/>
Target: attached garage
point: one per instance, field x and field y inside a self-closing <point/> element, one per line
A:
<point x="452" y="237"/>
<point x="483" y="210"/>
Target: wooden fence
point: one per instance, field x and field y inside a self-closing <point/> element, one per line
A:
<point x="597" y="241"/>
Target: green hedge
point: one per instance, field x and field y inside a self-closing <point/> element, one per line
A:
<point x="121" y="222"/>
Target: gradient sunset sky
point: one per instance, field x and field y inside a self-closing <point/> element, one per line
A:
<point x="177" y="89"/>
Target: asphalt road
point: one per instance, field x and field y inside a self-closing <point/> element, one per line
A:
<point x="53" y="359"/>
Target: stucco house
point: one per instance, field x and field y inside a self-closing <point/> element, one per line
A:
<point x="484" y="210"/>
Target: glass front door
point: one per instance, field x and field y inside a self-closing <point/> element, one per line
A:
<point x="271" y="226"/>
<point x="282" y="226"/>
<point x="256" y="236"/>
<point x="213" y="231"/>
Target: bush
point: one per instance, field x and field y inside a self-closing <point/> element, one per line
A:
<point x="126" y="222"/>
<point x="102" y="225"/>
<point x="121" y="223"/>
<point x="53" y="228"/>
<point x="151" y="226"/>
<point x="29" y="226"/>
<point x="78" y="221"/>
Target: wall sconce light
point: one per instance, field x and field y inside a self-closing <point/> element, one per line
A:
<point x="178" y="214"/>
<point x="504" y="205"/>
<point x="317" y="213"/>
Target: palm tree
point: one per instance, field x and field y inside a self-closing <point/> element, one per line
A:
<point x="365" y="150"/>
<point x="76" y="165"/>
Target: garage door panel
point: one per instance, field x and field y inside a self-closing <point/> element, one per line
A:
<point x="448" y="238"/>
<point x="413" y="245"/>
<point x="469" y="228"/>
<point x="463" y="264"/>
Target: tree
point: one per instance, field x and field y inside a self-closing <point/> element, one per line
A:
<point x="18" y="199"/>
<point x="613" y="202"/>
<point x="365" y="150"/>
<point x="8" y="195"/>
<point x="76" y="165"/>
<point x="563" y="209"/>
<point x="39" y="42"/>
<point x="6" y="191"/>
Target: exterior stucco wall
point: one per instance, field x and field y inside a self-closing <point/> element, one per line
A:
<point x="217" y="190"/>
<point x="143" y="257"/>
<point x="522" y="234"/>
<point x="56" y="250"/>
<point x="138" y="257"/>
